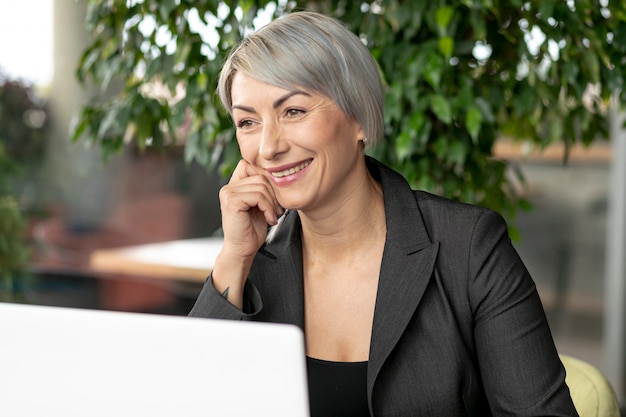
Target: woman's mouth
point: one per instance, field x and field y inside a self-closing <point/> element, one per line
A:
<point x="292" y="170"/>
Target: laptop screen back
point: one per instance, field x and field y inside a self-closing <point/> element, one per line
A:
<point x="70" y="362"/>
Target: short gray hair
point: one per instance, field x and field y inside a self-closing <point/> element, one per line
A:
<point x="319" y="54"/>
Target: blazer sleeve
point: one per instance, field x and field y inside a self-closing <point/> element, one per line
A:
<point x="521" y="370"/>
<point x="211" y="304"/>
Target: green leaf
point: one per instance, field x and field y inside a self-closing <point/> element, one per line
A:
<point x="108" y="123"/>
<point x="442" y="108"/>
<point x="546" y="9"/>
<point x="556" y="130"/>
<point x="478" y="24"/>
<point x="87" y="62"/>
<point x="416" y="123"/>
<point x="446" y="46"/>
<point x="165" y="8"/>
<point x="433" y="69"/>
<point x="473" y="122"/>
<point x="443" y="16"/>
<point x="485" y="109"/>
<point x="591" y="64"/>
<point x="182" y="53"/>
<point x="456" y="152"/>
<point x="570" y="72"/>
<point x="403" y="145"/>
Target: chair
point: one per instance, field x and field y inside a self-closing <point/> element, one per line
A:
<point x="591" y="392"/>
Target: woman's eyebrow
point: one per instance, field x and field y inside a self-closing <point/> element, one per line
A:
<point x="244" y="108"/>
<point x="284" y="98"/>
<point x="276" y="103"/>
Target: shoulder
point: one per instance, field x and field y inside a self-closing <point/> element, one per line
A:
<point x="445" y="216"/>
<point x="410" y="211"/>
<point x="429" y="202"/>
<point x="434" y="208"/>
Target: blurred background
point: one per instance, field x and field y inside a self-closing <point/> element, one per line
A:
<point x="132" y="197"/>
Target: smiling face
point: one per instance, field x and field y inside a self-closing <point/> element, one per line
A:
<point x="300" y="141"/>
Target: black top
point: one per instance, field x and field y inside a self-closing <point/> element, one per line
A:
<point x="337" y="389"/>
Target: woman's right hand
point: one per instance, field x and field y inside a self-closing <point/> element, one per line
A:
<point x="248" y="206"/>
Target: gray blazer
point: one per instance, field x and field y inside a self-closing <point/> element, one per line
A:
<point x="459" y="329"/>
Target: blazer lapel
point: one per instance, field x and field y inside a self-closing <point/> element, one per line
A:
<point x="408" y="262"/>
<point x="283" y="258"/>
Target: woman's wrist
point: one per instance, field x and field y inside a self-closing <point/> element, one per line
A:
<point x="229" y="277"/>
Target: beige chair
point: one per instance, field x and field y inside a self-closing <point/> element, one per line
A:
<point x="592" y="394"/>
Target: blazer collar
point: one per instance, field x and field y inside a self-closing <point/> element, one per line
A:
<point x="405" y="227"/>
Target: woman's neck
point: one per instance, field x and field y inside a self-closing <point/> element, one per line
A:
<point x="342" y="231"/>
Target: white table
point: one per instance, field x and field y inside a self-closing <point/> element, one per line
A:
<point x="189" y="259"/>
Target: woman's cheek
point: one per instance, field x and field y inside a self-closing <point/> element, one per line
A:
<point x="248" y="149"/>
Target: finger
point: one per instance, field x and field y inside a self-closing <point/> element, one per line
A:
<point x="250" y="194"/>
<point x="243" y="170"/>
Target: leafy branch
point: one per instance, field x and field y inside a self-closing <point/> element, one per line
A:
<point x="459" y="76"/>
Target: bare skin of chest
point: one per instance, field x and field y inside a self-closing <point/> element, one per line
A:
<point x="339" y="308"/>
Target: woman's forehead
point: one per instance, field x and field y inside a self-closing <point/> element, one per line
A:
<point x="246" y="87"/>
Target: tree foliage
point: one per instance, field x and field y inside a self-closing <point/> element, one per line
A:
<point x="23" y="133"/>
<point x="459" y="75"/>
<point x="23" y="121"/>
<point x="13" y="250"/>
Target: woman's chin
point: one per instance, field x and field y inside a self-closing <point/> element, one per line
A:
<point x="288" y="203"/>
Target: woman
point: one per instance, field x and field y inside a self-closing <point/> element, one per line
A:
<point x="411" y="304"/>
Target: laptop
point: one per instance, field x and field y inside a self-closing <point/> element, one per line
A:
<point x="68" y="362"/>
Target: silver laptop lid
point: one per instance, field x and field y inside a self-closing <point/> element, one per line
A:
<point x="71" y="362"/>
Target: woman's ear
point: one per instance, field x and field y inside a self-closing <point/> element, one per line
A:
<point x="360" y="134"/>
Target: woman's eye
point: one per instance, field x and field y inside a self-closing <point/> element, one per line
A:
<point x="244" y="123"/>
<point x="294" y="112"/>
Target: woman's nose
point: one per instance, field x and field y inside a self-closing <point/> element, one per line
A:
<point x="271" y="141"/>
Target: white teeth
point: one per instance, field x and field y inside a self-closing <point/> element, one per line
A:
<point x="291" y="171"/>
